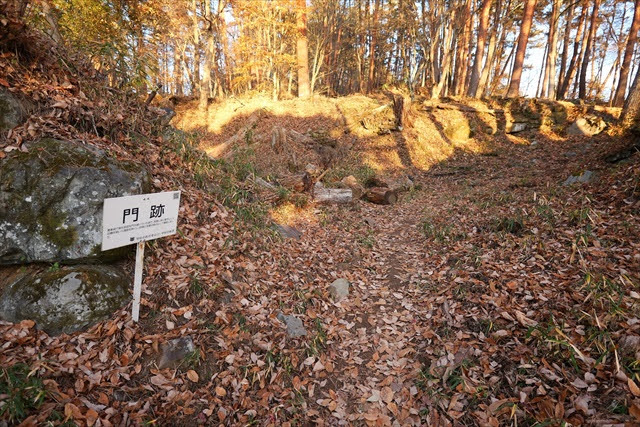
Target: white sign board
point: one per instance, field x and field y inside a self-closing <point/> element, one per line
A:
<point x="136" y="219"/>
<point x="132" y="219"/>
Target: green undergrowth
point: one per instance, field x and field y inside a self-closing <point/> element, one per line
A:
<point x="227" y="179"/>
<point x="22" y="392"/>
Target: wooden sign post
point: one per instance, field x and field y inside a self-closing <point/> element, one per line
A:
<point x="136" y="219"/>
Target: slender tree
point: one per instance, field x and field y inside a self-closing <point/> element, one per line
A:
<point x="565" y="43"/>
<point x="577" y="51"/>
<point x="549" y="84"/>
<point x="618" y="98"/>
<point x="373" y="45"/>
<point x="593" y="26"/>
<point x="302" y="50"/>
<point x="631" y="109"/>
<point x="523" y="38"/>
<point x="196" y="45"/>
<point x="485" y="9"/>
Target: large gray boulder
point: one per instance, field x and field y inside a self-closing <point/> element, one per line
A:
<point x="65" y="300"/>
<point x="51" y="200"/>
<point x="11" y="111"/>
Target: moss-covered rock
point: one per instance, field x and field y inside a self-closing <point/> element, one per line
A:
<point x="65" y="300"/>
<point x="51" y="200"/>
<point x="11" y="111"/>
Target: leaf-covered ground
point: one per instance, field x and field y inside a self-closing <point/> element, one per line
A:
<point x="490" y="295"/>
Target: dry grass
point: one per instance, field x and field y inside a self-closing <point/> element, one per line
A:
<point x="331" y="133"/>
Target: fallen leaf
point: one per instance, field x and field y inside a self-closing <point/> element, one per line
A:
<point x="386" y="394"/>
<point x="633" y="387"/>
<point x="192" y="375"/>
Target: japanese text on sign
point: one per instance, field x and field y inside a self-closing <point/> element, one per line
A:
<point x="132" y="219"/>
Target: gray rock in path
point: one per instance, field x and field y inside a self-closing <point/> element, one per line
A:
<point x="174" y="352"/>
<point x="11" y="111"/>
<point x="51" y="200"/>
<point x="516" y="127"/>
<point x="339" y="289"/>
<point x="583" y="178"/>
<point x="587" y="126"/>
<point x="295" y="327"/>
<point x="65" y="300"/>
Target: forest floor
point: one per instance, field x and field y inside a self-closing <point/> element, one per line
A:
<point x="491" y="294"/>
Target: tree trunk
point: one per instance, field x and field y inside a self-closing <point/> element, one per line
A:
<point x="177" y="70"/>
<point x="482" y="36"/>
<point x="550" y="72"/>
<point x="577" y="51"/>
<point x="523" y="38"/>
<point x="302" y="50"/>
<point x="381" y="196"/>
<point x="196" y="47"/>
<point x="462" y="50"/>
<point x="205" y="86"/>
<point x="631" y="109"/>
<point x="492" y="48"/>
<point x="582" y="89"/>
<point x="225" y="85"/>
<point x="331" y="195"/>
<point x="618" y="98"/>
<point x="565" y="44"/>
<point x="372" y="46"/>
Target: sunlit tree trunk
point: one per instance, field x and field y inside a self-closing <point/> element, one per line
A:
<point x="302" y="50"/>
<point x="549" y="86"/>
<point x="618" y="98"/>
<point x="593" y="26"/>
<point x="631" y="108"/>
<point x="493" y="48"/>
<point x="209" y="58"/>
<point x="462" y="49"/>
<point x="373" y="44"/>
<point x="482" y="36"/>
<point x="523" y="38"/>
<point x="577" y="52"/>
<point x="565" y="45"/>
<point x="177" y="70"/>
<point x="196" y="48"/>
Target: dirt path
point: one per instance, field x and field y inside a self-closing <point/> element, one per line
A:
<point x="420" y="337"/>
<point x="492" y="295"/>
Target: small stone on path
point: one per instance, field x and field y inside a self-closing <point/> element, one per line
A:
<point x="295" y="327"/>
<point x="339" y="289"/>
<point x="174" y="351"/>
<point x="584" y="177"/>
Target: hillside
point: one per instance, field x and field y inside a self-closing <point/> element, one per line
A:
<point x="496" y="291"/>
